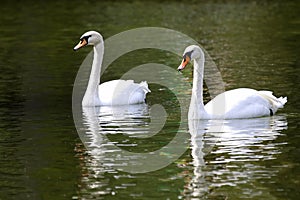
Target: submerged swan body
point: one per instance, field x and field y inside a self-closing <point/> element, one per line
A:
<point x="116" y="92"/>
<point x="232" y="104"/>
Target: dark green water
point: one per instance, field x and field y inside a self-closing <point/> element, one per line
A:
<point x="254" y="44"/>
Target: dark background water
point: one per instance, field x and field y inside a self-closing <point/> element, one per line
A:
<point x="254" y="44"/>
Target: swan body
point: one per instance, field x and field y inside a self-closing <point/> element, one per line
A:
<point x="233" y="104"/>
<point x="116" y="92"/>
<point x="122" y="92"/>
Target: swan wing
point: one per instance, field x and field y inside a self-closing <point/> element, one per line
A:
<point x="122" y="92"/>
<point x="244" y="103"/>
<point x="274" y="101"/>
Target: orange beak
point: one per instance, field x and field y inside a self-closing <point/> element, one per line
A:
<point x="184" y="62"/>
<point x="82" y="43"/>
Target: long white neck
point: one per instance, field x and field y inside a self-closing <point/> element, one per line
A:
<point x="91" y="96"/>
<point x="197" y="110"/>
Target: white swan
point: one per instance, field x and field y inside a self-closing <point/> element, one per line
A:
<point x="233" y="104"/>
<point x="116" y="92"/>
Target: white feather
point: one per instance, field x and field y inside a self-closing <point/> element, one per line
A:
<point x="232" y="104"/>
<point x="116" y="92"/>
<point x="122" y="92"/>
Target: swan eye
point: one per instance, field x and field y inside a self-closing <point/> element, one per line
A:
<point x="186" y="58"/>
<point x="188" y="55"/>
<point x="83" y="42"/>
<point x="85" y="39"/>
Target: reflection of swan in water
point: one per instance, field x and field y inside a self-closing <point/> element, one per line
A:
<point x="230" y="145"/>
<point x="93" y="127"/>
<point x="121" y="133"/>
<point x="103" y="120"/>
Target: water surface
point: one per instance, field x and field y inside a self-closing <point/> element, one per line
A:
<point x="254" y="44"/>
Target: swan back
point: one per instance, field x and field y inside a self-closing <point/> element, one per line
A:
<point x="123" y="92"/>
<point x="244" y="103"/>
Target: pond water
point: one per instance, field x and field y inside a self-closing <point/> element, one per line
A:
<point x="253" y="44"/>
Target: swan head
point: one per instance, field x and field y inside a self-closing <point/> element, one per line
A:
<point x="89" y="38"/>
<point x="192" y="52"/>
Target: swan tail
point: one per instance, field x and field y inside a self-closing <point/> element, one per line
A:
<point x="138" y="94"/>
<point x="282" y="101"/>
<point x="274" y="101"/>
<point x="145" y="87"/>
